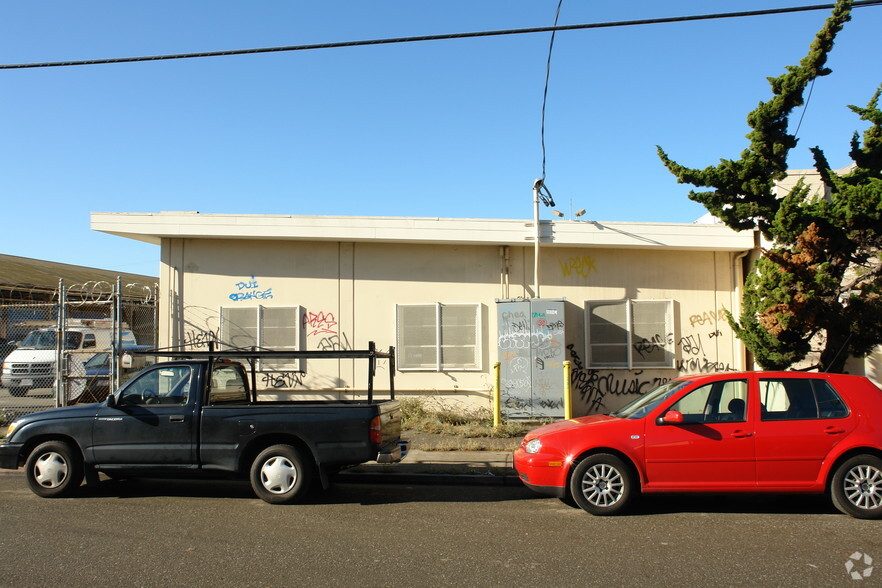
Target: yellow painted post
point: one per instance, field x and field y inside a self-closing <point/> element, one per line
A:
<point x="497" y="396"/>
<point x="568" y="401"/>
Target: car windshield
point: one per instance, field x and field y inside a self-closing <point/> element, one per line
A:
<point x="46" y="340"/>
<point x="98" y="360"/>
<point x="645" y="404"/>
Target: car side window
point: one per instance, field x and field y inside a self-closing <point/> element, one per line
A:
<point x="789" y="399"/>
<point x="168" y="386"/>
<point x="718" y="402"/>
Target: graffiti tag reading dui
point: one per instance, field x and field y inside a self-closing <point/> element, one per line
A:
<point x="250" y="290"/>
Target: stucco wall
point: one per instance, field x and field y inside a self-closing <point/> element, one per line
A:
<point x="349" y="292"/>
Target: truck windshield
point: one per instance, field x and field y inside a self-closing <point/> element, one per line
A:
<point x="646" y="403"/>
<point x="46" y="340"/>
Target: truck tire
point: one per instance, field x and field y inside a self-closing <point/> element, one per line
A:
<point x="280" y="474"/>
<point x="18" y="391"/>
<point x="54" y="469"/>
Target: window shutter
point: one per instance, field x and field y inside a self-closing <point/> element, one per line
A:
<point x="606" y="328"/>
<point x="417" y="336"/>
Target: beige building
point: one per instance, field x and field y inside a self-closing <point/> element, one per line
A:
<point x="643" y="302"/>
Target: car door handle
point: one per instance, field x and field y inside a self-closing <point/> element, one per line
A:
<point x="834" y="431"/>
<point x="739" y="434"/>
<point x="176" y="418"/>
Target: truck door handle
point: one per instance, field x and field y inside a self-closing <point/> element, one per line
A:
<point x="176" y="418"/>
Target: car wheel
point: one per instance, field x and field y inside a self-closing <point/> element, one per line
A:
<point x="856" y="488"/>
<point x="280" y="475"/>
<point x="54" y="469"/>
<point x="602" y="484"/>
<point x="18" y="392"/>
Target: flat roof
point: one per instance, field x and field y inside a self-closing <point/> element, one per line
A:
<point x="154" y="226"/>
<point x="24" y="271"/>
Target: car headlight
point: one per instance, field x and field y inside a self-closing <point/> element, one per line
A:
<point x="533" y="446"/>
<point x="9" y="431"/>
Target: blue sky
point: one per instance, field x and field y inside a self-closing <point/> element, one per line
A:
<point x="437" y="129"/>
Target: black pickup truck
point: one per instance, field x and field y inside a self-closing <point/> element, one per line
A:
<point x="199" y="414"/>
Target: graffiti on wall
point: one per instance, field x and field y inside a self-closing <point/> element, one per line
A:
<point x="712" y="317"/>
<point x="198" y="338"/>
<point x="319" y="322"/>
<point x="249" y="290"/>
<point x="595" y="387"/>
<point x="282" y="380"/>
<point x="582" y="266"/>
<point x="202" y="326"/>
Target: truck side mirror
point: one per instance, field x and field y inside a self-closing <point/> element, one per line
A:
<point x="111" y="401"/>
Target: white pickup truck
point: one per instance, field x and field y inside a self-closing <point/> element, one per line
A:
<point x="32" y="363"/>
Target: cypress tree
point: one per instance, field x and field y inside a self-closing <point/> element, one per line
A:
<point x="820" y="283"/>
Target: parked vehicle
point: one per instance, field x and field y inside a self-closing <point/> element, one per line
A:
<point x="202" y="417"/>
<point x="6" y="347"/>
<point x="730" y="432"/>
<point x="97" y="372"/>
<point x="32" y="363"/>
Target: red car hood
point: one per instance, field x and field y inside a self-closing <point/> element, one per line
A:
<point x="566" y="425"/>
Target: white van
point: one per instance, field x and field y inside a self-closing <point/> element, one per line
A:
<point x="32" y="363"/>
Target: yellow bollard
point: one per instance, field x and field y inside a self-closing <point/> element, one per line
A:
<point x="497" y="396"/>
<point x="568" y="401"/>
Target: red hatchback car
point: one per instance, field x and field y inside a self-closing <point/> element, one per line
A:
<point x="728" y="432"/>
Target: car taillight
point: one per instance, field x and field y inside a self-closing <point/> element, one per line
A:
<point x="376" y="431"/>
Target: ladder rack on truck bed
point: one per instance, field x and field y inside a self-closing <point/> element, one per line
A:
<point x="253" y="354"/>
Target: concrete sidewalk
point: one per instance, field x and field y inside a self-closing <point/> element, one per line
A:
<point x="430" y="467"/>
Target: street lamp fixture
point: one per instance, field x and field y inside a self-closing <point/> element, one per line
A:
<point x="573" y="215"/>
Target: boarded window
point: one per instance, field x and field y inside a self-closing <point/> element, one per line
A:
<point x="630" y="334"/>
<point x="438" y="337"/>
<point x="267" y="328"/>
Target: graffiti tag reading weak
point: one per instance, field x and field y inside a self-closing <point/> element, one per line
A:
<point x="250" y="290"/>
<point x="582" y="265"/>
<point x="320" y="322"/>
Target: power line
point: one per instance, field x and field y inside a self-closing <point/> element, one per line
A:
<point x="444" y="37"/>
<point x="545" y="92"/>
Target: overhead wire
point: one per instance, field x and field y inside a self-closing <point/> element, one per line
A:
<point x="545" y="91"/>
<point x="442" y="37"/>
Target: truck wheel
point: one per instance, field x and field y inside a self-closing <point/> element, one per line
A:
<point x="280" y="475"/>
<point x="54" y="469"/>
<point x="18" y="392"/>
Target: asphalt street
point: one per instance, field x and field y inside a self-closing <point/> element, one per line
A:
<point x="174" y="533"/>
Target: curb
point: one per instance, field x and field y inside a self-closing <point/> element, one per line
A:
<point x="428" y="478"/>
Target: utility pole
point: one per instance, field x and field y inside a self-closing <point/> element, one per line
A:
<point x="547" y="200"/>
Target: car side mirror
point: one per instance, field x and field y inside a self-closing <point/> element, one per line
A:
<point x="111" y="401"/>
<point x="672" y="417"/>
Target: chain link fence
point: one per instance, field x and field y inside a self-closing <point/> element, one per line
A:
<point x="69" y="350"/>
